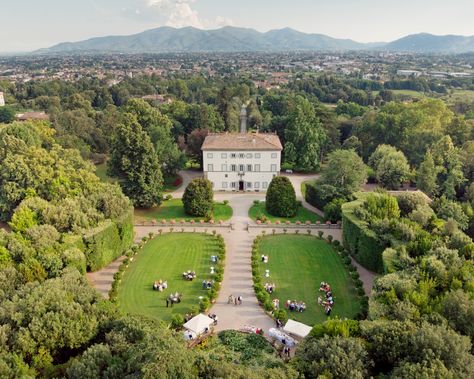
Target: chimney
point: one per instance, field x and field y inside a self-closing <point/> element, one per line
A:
<point x="243" y="119"/>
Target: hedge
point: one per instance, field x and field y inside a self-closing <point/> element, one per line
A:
<point x="108" y="241"/>
<point x="361" y="242"/>
<point x="319" y="194"/>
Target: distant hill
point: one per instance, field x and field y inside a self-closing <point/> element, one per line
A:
<point x="429" y="43"/>
<point x="232" y="39"/>
<point x="227" y="39"/>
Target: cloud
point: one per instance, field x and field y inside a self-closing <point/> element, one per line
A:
<point x="175" y="13"/>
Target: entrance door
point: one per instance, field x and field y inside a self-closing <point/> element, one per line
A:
<point x="241" y="185"/>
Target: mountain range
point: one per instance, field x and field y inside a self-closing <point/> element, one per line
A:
<point x="233" y="39"/>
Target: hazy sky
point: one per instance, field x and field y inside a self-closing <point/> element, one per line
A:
<point x="31" y="24"/>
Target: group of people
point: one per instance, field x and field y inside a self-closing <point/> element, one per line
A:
<point x="270" y="287"/>
<point x="207" y="284"/>
<point x="189" y="275"/>
<point x="293" y="305"/>
<point x="264" y="258"/>
<point x="173" y="298"/>
<point x="328" y="303"/>
<point x="160" y="285"/>
<point x="276" y="303"/>
<point x="235" y="300"/>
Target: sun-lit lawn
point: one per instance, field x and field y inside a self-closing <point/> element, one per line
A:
<point x="173" y="210"/>
<point x="302" y="215"/>
<point x="166" y="257"/>
<point x="298" y="264"/>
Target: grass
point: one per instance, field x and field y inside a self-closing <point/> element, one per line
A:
<point x="166" y="257"/>
<point x="101" y="172"/>
<point x="302" y="215"/>
<point x="298" y="264"/>
<point x="173" y="209"/>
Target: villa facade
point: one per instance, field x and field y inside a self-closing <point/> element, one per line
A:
<point x="241" y="161"/>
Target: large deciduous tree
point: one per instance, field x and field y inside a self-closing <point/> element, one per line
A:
<point x="135" y="163"/>
<point x="390" y="166"/>
<point x="304" y="136"/>
<point x="345" y="171"/>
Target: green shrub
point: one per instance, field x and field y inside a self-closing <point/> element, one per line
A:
<point x="198" y="198"/>
<point x="280" y="200"/>
<point x="280" y="314"/>
<point x="204" y="304"/>
<point x="75" y="258"/>
<point x="177" y="321"/>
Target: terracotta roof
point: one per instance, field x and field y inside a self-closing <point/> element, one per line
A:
<point x="238" y="141"/>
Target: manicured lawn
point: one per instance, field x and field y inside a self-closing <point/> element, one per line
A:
<point x="173" y="209"/>
<point x="166" y="257"/>
<point x="298" y="264"/>
<point x="302" y="215"/>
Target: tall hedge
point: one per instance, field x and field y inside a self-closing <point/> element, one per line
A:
<point x="360" y="241"/>
<point x="108" y="241"/>
<point x="198" y="198"/>
<point x="319" y="194"/>
<point x="280" y="200"/>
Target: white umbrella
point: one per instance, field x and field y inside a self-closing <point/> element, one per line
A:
<point x="198" y="324"/>
<point x="296" y="328"/>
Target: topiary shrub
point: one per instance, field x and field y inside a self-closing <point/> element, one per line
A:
<point x="198" y="198"/>
<point x="281" y="198"/>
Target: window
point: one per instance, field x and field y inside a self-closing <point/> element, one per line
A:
<point x="210" y="167"/>
<point x="256" y="185"/>
<point x="273" y="168"/>
<point x="249" y="167"/>
<point x="274" y="155"/>
<point x="233" y="155"/>
<point x="241" y="168"/>
<point x="241" y="155"/>
<point x="226" y="175"/>
<point x="224" y="167"/>
<point x="209" y="155"/>
<point x="233" y="167"/>
<point x="249" y="184"/>
<point x="249" y="155"/>
<point x="257" y="155"/>
<point x="257" y="167"/>
<point x="233" y="185"/>
<point x="264" y="185"/>
<point x="224" y="184"/>
<point x="224" y="155"/>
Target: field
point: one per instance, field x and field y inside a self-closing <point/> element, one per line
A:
<point x="166" y="257"/>
<point x="173" y="210"/>
<point x="101" y="172"/>
<point x="302" y="215"/>
<point x="298" y="264"/>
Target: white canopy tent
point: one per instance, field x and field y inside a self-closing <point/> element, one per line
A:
<point x="198" y="324"/>
<point x="297" y="329"/>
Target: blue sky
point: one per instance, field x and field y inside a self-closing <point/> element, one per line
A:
<point x="31" y="24"/>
